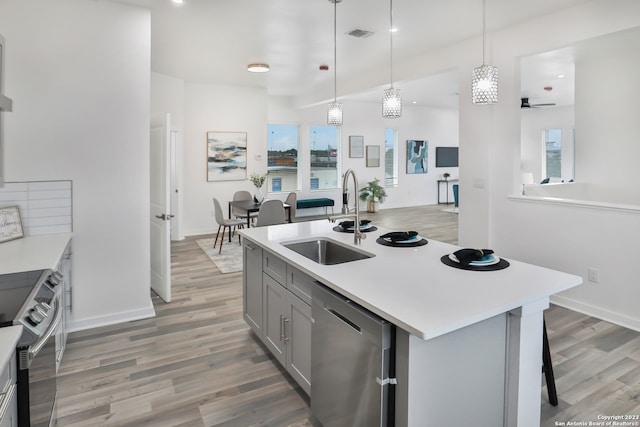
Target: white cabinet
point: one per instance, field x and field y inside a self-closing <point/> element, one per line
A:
<point x="252" y="286"/>
<point x="8" y="402"/>
<point x="285" y="306"/>
<point x="10" y="416"/>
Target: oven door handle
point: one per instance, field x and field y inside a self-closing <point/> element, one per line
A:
<point x="5" y="400"/>
<point x="35" y="348"/>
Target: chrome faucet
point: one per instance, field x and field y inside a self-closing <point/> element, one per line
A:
<point x="346" y="212"/>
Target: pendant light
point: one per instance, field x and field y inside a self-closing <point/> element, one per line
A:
<point x="334" y="113"/>
<point x="484" y="79"/>
<point x="391" y="100"/>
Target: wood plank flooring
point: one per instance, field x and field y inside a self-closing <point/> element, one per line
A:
<point x="197" y="364"/>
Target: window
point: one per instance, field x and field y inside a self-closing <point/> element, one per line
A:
<point x="282" y="150"/>
<point x="324" y="144"/>
<point x="390" y="158"/>
<point x="552" y="153"/>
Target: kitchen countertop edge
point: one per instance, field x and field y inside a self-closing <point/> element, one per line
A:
<point x="419" y="309"/>
<point x="33" y="252"/>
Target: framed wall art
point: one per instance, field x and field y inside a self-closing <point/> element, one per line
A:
<point x="226" y="156"/>
<point x="10" y="224"/>
<point x="356" y="146"/>
<point x="417" y="156"/>
<point x="373" y="156"/>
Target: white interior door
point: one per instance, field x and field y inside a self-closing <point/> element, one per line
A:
<point x="160" y="206"/>
<point x="175" y="192"/>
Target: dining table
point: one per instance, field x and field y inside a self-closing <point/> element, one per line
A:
<point x="250" y="206"/>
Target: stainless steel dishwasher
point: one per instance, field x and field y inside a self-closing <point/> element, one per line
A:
<point x="351" y="359"/>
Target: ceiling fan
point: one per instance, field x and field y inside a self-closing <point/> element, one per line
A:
<point x="524" y="103"/>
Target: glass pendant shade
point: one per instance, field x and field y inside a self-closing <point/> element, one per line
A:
<point x="484" y="85"/>
<point x="391" y="103"/>
<point x="334" y="114"/>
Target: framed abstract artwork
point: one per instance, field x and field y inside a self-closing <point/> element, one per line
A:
<point x="417" y="156"/>
<point x="226" y="156"/>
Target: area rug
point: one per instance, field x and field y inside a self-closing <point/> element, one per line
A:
<point x="229" y="261"/>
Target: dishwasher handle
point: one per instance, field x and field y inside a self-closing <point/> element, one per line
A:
<point x="344" y="319"/>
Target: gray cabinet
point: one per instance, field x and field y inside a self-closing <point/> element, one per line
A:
<point x="287" y="330"/>
<point x="298" y="335"/>
<point x="252" y="286"/>
<point x="275" y="311"/>
<point x="284" y="298"/>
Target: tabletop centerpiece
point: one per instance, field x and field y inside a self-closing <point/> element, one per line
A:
<point x="258" y="181"/>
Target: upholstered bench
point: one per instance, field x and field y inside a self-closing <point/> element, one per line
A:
<point x="322" y="202"/>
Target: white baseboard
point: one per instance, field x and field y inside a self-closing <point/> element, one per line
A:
<point x="616" y="318"/>
<point x="112" y="319"/>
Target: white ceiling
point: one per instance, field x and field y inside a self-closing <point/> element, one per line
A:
<point x="212" y="41"/>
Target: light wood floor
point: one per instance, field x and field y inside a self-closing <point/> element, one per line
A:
<point x="197" y="364"/>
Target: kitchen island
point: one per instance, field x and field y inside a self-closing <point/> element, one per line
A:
<point x="469" y="343"/>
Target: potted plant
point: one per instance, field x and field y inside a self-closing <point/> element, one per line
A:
<point x="446" y="176"/>
<point x="373" y="193"/>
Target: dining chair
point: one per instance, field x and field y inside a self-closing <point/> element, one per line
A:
<point x="240" y="213"/>
<point x="271" y="213"/>
<point x="291" y="201"/>
<point x="223" y="224"/>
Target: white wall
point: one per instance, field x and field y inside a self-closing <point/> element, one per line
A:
<point x="219" y="108"/>
<point x="608" y="125"/>
<point x="78" y="73"/>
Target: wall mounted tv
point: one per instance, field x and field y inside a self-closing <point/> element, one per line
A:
<point x="446" y="157"/>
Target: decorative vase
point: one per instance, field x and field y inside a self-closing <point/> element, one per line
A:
<point x="372" y="206"/>
<point x="258" y="197"/>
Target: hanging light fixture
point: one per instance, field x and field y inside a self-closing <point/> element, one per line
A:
<point x="334" y="112"/>
<point x="391" y="100"/>
<point x="484" y="79"/>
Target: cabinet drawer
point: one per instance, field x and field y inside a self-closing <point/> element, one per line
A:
<point x="9" y="407"/>
<point x="300" y="284"/>
<point x="274" y="267"/>
<point x="8" y="374"/>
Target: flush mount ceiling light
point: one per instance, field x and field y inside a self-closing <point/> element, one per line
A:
<point x="484" y="79"/>
<point x="391" y="99"/>
<point x="334" y="111"/>
<point x="177" y="1"/>
<point x="258" y="68"/>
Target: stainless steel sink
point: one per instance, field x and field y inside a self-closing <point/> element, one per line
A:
<point x="327" y="251"/>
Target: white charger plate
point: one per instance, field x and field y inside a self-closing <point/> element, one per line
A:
<point x="413" y="239"/>
<point x="494" y="260"/>
<point x="362" y="227"/>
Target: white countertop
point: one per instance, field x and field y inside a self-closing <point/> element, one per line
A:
<point x="8" y="339"/>
<point x="411" y="287"/>
<point x="32" y="253"/>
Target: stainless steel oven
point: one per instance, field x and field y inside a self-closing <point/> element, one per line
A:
<point x="39" y="311"/>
